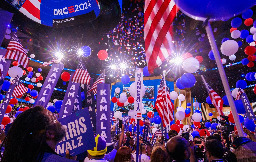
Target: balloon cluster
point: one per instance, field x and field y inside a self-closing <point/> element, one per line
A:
<point x="187" y="80"/>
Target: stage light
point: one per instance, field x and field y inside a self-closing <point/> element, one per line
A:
<point x="113" y="67"/>
<point x="80" y="52"/>
<point x="59" y="55"/>
<point x="176" y="61"/>
<point x="123" y="65"/>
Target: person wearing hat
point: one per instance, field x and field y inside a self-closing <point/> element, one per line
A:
<point x="98" y="152"/>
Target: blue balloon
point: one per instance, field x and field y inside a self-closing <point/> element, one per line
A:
<point x="18" y="113"/>
<point x="157" y="120"/>
<point x="249" y="124"/>
<point x="197" y="111"/>
<point x="210" y="114"/>
<point x="82" y="96"/>
<point x="213" y="9"/>
<point x="145" y="71"/>
<point x="244" y="34"/>
<point x="252" y="76"/>
<point x="31" y="73"/>
<point x="208" y="100"/>
<point x="179" y="84"/>
<point x="1" y="97"/>
<point x="187" y="111"/>
<point x="6" y="85"/>
<point x="207" y="124"/>
<point x="254" y="24"/>
<point x="29" y="90"/>
<point x="225" y="100"/>
<point x="57" y="109"/>
<point x="249" y="39"/>
<point x="241" y="118"/>
<point x="214" y="126"/>
<point x="193" y="126"/>
<point x="236" y="22"/>
<point x="130" y="127"/>
<point x="29" y="76"/>
<point x="39" y="70"/>
<point x="247" y="14"/>
<point x="64" y="83"/>
<point x="125" y="79"/>
<point x="211" y="55"/>
<point x="188" y="80"/>
<point x="239" y="107"/>
<point x="224" y="40"/>
<point x="188" y="104"/>
<point x="141" y="129"/>
<point x="248" y="76"/>
<point x="51" y="109"/>
<point x="58" y="104"/>
<point x="240" y="43"/>
<point x="34" y="93"/>
<point x="86" y="51"/>
<point x="245" y="61"/>
<point x="195" y="133"/>
<point x="241" y="84"/>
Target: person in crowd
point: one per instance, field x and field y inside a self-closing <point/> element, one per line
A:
<point x="172" y="133"/>
<point x="244" y="149"/>
<point x="33" y="136"/>
<point x="159" y="153"/>
<point x="214" y="150"/>
<point x="124" y="154"/>
<point x="142" y="154"/>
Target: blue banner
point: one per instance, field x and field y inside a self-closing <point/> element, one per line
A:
<point x="79" y="135"/>
<point x="90" y="103"/>
<point x="49" y="84"/>
<point x="51" y="10"/>
<point x="78" y="101"/>
<point x="103" y="118"/>
<point x="248" y="109"/>
<point x="5" y="18"/>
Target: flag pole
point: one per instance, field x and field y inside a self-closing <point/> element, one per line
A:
<point x="223" y="77"/>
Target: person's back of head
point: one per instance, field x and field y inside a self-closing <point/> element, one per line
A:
<point x="123" y="154"/>
<point x="159" y="154"/>
<point x="172" y="133"/>
<point x="214" y="149"/>
<point x="99" y="150"/>
<point x="28" y="137"/>
<point x="178" y="148"/>
<point x="214" y="136"/>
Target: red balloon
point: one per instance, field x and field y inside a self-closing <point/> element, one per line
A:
<point x="40" y="77"/>
<point x="231" y="118"/>
<point x="29" y="69"/>
<point x="254" y="89"/>
<point x="199" y="58"/>
<point x="186" y="56"/>
<point x="120" y="104"/>
<point x="19" y="96"/>
<point x="102" y="54"/>
<point x="15" y="63"/>
<point x="8" y="109"/>
<point x="27" y="99"/>
<point x="202" y="132"/>
<point x="21" y="109"/>
<point x="130" y="99"/>
<point x="196" y="124"/>
<point x="177" y="122"/>
<point x="132" y="120"/>
<point x="65" y="76"/>
<point x="30" y="86"/>
<point x="175" y="127"/>
<point x="24" y="72"/>
<point x="13" y="101"/>
<point x="251" y="57"/>
<point x="248" y="22"/>
<point x="232" y="29"/>
<point x="249" y="50"/>
<point x="181" y="126"/>
<point x="187" y="115"/>
<point x="150" y="114"/>
<point x="25" y="108"/>
<point x="114" y="99"/>
<point x="250" y="64"/>
<point x="141" y="123"/>
<point x="6" y="120"/>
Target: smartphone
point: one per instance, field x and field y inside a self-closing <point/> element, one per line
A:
<point x="120" y="123"/>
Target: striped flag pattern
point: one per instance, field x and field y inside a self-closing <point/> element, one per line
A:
<point x="16" y="52"/>
<point x="31" y="8"/>
<point x="164" y="106"/>
<point x="100" y="79"/>
<point x="158" y="18"/>
<point x="19" y="90"/>
<point x="81" y="76"/>
<point x="216" y="100"/>
<point x="239" y="93"/>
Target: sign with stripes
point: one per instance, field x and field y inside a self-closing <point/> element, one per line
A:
<point x="19" y="90"/>
<point x="81" y="76"/>
<point x="247" y="106"/>
<point x="138" y="94"/>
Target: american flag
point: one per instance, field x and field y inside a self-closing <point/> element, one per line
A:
<point x="81" y="76"/>
<point x="158" y="18"/>
<point x="216" y="100"/>
<point x="163" y="105"/>
<point x="16" y="52"/>
<point x="239" y="93"/>
<point x="31" y="8"/>
<point x="19" y="90"/>
<point x="101" y="79"/>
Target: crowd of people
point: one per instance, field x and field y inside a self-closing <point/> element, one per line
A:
<point x="35" y="133"/>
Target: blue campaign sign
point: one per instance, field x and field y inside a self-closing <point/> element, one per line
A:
<point x="79" y="135"/>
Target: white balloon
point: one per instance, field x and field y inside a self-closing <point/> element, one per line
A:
<point x="235" y="34"/>
<point x="118" y="115"/>
<point x="229" y="47"/>
<point x="197" y="117"/>
<point x="185" y="128"/>
<point x="11" y="120"/>
<point x="2" y="126"/>
<point x="253" y="30"/>
<point x="143" y="111"/>
<point x="180" y="109"/>
<point x="154" y="130"/>
<point x="173" y="95"/>
<point x="123" y="97"/>
<point x="254" y="37"/>
<point x="33" y="80"/>
<point x="180" y="115"/>
<point x="235" y="91"/>
<point x="7" y="37"/>
<point x="224" y="61"/>
<point x="196" y="104"/>
<point x="38" y="74"/>
<point x="232" y="57"/>
<point x="132" y="113"/>
<point x="15" y="71"/>
<point x="8" y="31"/>
<point x="126" y="103"/>
<point x="27" y="79"/>
<point x="32" y="101"/>
<point x="55" y="100"/>
<point x="181" y="97"/>
<point x="49" y="104"/>
<point x="252" y="44"/>
<point x="39" y="85"/>
<point x="117" y="90"/>
<point x="132" y="89"/>
<point x="32" y="55"/>
<point x="190" y="65"/>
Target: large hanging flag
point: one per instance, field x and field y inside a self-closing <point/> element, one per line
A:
<point x="100" y="79"/>
<point x="81" y="76"/>
<point x="164" y="105"/>
<point x="16" y="52"/>
<point x="158" y="19"/>
<point x="19" y="90"/>
<point x="247" y="106"/>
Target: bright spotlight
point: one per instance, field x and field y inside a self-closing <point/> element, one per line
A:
<point x="59" y="55"/>
<point x="123" y="66"/>
<point x="80" y="52"/>
<point x="176" y="61"/>
<point x="113" y="67"/>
